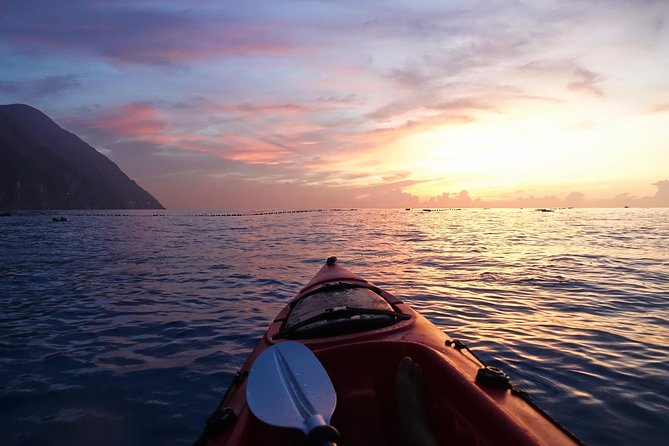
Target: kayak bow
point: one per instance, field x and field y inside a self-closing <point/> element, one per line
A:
<point x="360" y="334"/>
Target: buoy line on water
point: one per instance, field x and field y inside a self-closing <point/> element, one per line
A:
<point x="225" y="214"/>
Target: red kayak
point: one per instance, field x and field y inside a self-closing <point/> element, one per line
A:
<point x="360" y="334"/>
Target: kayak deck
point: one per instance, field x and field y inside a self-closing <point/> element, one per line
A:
<point x="462" y="406"/>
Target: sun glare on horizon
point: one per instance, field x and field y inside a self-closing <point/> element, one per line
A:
<point x="558" y="150"/>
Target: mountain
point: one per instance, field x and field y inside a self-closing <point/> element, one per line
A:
<point x="43" y="166"/>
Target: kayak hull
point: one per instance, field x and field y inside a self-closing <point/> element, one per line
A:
<point x="460" y="408"/>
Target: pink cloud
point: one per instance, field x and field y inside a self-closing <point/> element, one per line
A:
<point x="283" y="108"/>
<point x="254" y="151"/>
<point x="263" y="133"/>
<point x="137" y="121"/>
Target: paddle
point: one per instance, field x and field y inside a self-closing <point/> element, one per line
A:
<point x="288" y="387"/>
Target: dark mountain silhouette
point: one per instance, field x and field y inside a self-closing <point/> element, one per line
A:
<point x="43" y="166"/>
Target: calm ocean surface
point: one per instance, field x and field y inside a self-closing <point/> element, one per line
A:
<point x="127" y="329"/>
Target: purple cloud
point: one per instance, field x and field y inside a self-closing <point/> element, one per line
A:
<point x="46" y="86"/>
<point x="136" y="33"/>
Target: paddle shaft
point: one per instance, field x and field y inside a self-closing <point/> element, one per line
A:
<point x="324" y="435"/>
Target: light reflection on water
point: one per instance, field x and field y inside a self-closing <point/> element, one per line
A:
<point x="136" y="324"/>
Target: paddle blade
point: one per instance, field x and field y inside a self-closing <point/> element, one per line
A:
<point x="288" y="387"/>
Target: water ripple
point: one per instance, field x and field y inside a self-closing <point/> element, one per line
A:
<point x="135" y="325"/>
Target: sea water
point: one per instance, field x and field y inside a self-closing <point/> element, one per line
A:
<point x="126" y="327"/>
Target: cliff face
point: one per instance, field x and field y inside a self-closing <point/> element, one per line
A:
<point x="43" y="166"/>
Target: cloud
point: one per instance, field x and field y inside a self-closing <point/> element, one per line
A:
<point x="661" y="198"/>
<point x="245" y="193"/>
<point x="387" y="196"/>
<point x="425" y="111"/>
<point x="574" y="76"/>
<point x="575" y="199"/>
<point x="138" y="33"/>
<point x="252" y="132"/>
<point x="249" y="193"/>
<point x="660" y="108"/>
<point x="38" y="88"/>
<point x="457" y="45"/>
<point x="343" y="100"/>
<point x="450" y="200"/>
<point x="587" y="81"/>
<point x="219" y="177"/>
<point x="463" y="104"/>
<point x="579" y="199"/>
<point x="228" y="132"/>
<point x="140" y="121"/>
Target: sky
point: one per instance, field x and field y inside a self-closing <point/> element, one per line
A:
<point x="309" y="104"/>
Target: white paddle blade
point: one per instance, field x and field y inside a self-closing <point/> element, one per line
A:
<point x="288" y="387"/>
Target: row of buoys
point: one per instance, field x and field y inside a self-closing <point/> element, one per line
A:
<point x="439" y="210"/>
<point x="235" y="214"/>
<point x="300" y="211"/>
<point x="120" y="215"/>
<point x="550" y="210"/>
